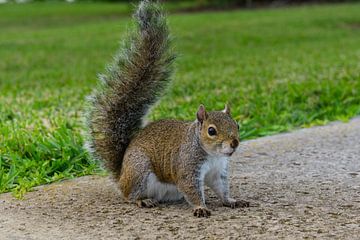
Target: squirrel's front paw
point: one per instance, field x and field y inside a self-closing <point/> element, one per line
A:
<point x="232" y="203"/>
<point x="201" y="212"/>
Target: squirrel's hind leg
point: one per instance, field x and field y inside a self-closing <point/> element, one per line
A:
<point x="139" y="184"/>
<point x="133" y="181"/>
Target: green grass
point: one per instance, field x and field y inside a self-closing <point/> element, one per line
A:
<point x="280" y="69"/>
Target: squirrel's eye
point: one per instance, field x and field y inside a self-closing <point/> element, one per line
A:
<point x="211" y="131"/>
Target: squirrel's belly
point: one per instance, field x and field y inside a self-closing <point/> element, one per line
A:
<point x="160" y="191"/>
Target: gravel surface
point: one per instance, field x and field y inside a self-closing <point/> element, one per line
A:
<point x="304" y="184"/>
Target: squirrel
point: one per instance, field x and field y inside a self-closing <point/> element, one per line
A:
<point x="166" y="160"/>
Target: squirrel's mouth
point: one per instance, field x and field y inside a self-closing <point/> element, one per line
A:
<point x="229" y="153"/>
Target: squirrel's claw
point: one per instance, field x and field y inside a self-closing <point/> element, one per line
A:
<point x="147" y="203"/>
<point x="201" y="212"/>
<point x="232" y="203"/>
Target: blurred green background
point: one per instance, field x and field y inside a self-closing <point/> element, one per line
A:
<point x="280" y="68"/>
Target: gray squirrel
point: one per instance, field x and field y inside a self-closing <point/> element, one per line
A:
<point x="165" y="160"/>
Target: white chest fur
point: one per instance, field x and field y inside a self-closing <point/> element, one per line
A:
<point x="213" y="168"/>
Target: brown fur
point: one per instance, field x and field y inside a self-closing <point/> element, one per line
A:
<point x="166" y="159"/>
<point x="175" y="151"/>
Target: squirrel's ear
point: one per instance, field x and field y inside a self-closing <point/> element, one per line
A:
<point x="227" y="109"/>
<point x="201" y="113"/>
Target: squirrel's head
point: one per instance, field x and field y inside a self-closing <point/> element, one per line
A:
<point x="219" y="133"/>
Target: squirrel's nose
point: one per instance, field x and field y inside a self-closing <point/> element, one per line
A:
<point x="234" y="143"/>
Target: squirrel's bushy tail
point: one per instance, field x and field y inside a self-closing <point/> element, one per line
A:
<point x="131" y="85"/>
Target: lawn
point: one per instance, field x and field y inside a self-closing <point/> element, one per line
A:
<point x="279" y="69"/>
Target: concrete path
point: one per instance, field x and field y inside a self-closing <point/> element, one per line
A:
<point x="304" y="184"/>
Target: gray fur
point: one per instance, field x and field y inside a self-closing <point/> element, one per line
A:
<point x="167" y="159"/>
<point x="130" y="86"/>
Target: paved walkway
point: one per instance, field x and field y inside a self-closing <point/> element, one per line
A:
<point x="304" y="184"/>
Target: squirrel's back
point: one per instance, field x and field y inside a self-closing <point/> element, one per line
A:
<point x="131" y="85"/>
